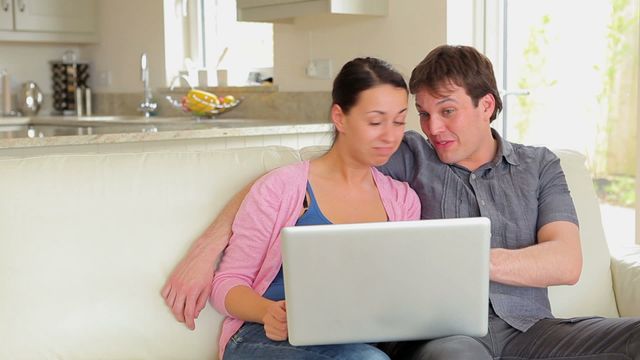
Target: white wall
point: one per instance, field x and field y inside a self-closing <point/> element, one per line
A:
<point x="30" y="62"/>
<point x="404" y="37"/>
<point x="127" y="29"/>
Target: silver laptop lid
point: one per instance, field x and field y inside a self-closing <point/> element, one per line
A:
<point x="386" y="281"/>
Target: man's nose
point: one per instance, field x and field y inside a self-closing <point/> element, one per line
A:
<point x="435" y="125"/>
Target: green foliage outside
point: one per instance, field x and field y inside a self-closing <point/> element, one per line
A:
<point x="533" y="73"/>
<point x="620" y="29"/>
<point x="616" y="190"/>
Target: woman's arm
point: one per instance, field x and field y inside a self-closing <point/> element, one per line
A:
<point x="244" y="303"/>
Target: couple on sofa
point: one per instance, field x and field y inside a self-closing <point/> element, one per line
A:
<point x="465" y="169"/>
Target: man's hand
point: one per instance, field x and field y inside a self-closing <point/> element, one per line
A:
<point x="188" y="288"/>
<point x="275" y="321"/>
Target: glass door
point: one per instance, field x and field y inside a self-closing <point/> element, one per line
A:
<point x="569" y="76"/>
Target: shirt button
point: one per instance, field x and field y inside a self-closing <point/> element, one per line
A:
<point x="482" y="202"/>
<point x="473" y="176"/>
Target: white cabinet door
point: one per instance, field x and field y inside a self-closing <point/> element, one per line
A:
<point x="6" y="15"/>
<point x="66" y="16"/>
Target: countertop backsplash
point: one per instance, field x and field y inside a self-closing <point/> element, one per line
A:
<point x="256" y="104"/>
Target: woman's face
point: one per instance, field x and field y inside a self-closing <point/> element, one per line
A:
<point x="374" y="127"/>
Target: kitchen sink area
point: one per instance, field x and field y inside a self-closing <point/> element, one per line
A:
<point x="50" y="126"/>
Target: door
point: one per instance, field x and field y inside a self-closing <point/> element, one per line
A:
<point x="569" y="76"/>
<point x="76" y="16"/>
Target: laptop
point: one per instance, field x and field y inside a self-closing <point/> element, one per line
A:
<point x="387" y="281"/>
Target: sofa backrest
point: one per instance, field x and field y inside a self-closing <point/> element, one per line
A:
<point x="593" y="294"/>
<point x="87" y="241"/>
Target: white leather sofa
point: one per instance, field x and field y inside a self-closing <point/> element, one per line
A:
<point x="87" y="241"/>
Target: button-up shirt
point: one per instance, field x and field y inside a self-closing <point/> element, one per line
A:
<point x="522" y="189"/>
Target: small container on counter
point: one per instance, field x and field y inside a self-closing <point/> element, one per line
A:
<point x="88" y="109"/>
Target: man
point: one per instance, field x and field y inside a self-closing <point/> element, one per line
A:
<point x="466" y="169"/>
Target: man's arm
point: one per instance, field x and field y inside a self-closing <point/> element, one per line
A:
<point x="189" y="285"/>
<point x="555" y="260"/>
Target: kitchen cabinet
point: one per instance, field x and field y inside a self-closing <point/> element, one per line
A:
<point x="6" y="15"/>
<point x="72" y="21"/>
<point x="286" y="10"/>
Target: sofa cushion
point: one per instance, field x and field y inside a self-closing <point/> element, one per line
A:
<point x="88" y="240"/>
<point x="593" y="294"/>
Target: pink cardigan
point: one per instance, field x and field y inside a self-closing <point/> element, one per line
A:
<point x="253" y="257"/>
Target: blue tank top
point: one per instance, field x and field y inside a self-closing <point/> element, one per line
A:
<point x="313" y="216"/>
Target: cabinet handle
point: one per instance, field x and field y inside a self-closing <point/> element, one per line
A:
<point x="21" y="5"/>
<point x="5" y="5"/>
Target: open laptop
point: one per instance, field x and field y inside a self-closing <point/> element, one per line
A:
<point x="391" y="281"/>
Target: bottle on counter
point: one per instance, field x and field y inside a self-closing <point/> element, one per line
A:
<point x="6" y="92"/>
<point x="79" y="107"/>
<point x="88" y="110"/>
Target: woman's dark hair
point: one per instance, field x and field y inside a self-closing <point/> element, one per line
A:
<point x="463" y="66"/>
<point x="361" y="74"/>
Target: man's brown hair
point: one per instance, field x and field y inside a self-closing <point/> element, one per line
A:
<point x="463" y="66"/>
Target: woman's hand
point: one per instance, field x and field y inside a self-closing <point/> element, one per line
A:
<point x="275" y="321"/>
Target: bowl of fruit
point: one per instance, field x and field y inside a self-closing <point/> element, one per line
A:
<point x="202" y="103"/>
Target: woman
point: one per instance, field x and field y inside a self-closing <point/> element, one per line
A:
<point x="368" y="111"/>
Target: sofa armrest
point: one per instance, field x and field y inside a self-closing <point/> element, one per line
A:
<point x="625" y="270"/>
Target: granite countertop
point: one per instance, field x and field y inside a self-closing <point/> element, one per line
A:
<point x="19" y="132"/>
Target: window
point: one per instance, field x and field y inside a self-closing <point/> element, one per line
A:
<point x="569" y="74"/>
<point x="205" y="35"/>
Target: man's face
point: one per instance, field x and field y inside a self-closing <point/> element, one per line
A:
<point x="458" y="130"/>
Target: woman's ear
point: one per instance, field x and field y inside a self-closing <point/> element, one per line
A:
<point x="337" y="117"/>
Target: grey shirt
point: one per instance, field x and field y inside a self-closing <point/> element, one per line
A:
<point x="521" y="190"/>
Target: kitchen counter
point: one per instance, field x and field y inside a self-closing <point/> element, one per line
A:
<point x="115" y="130"/>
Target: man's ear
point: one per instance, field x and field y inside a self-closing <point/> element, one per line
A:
<point x="488" y="104"/>
<point x="337" y="117"/>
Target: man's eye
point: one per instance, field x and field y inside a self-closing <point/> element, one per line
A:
<point x="423" y="114"/>
<point x="448" y="112"/>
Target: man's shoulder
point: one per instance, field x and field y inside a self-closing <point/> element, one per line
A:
<point x="417" y="144"/>
<point x="412" y="137"/>
<point x="532" y="155"/>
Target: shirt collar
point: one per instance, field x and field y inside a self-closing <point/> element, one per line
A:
<point x="505" y="150"/>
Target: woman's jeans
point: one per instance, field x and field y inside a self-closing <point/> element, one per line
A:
<point x="251" y="342"/>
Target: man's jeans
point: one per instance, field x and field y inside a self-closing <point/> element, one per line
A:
<point x="589" y="338"/>
<point x="250" y="342"/>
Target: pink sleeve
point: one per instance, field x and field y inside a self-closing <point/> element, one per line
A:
<point x="253" y="230"/>
<point x="411" y="202"/>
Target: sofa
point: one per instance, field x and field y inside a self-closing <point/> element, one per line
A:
<point x="88" y="240"/>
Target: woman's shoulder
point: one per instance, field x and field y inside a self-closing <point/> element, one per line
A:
<point x="286" y="174"/>
<point x="388" y="184"/>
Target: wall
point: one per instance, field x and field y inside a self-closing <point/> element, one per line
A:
<point x="30" y="62"/>
<point x="411" y="29"/>
<point x="127" y="29"/>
